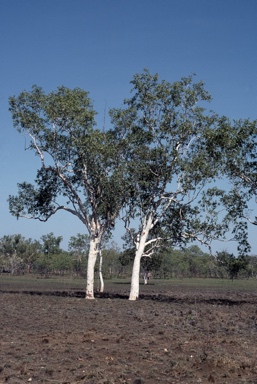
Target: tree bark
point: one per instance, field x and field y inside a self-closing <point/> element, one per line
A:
<point x="100" y="271"/>
<point x="134" y="289"/>
<point x="92" y="256"/>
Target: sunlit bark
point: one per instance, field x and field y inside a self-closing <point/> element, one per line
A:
<point x="92" y="256"/>
<point x="134" y="289"/>
<point x="101" y="289"/>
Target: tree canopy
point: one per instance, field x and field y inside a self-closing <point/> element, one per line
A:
<point x="81" y="166"/>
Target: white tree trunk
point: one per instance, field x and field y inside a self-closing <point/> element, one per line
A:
<point x="100" y="271"/>
<point x="92" y="256"/>
<point x="134" y="289"/>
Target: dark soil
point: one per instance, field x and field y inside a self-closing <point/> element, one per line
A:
<point x="172" y="334"/>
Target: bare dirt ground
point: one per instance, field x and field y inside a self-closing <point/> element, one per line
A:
<point x="172" y="334"/>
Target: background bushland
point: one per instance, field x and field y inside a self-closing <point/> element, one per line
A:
<point x="19" y="255"/>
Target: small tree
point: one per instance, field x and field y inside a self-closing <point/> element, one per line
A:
<point x="232" y="264"/>
<point x="32" y="251"/>
<point x="79" y="247"/>
<point x="111" y="253"/>
<point x="81" y="166"/>
<point x="51" y="244"/>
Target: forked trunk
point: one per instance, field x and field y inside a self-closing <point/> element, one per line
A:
<point x="92" y="256"/>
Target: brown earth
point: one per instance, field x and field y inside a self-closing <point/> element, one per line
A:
<point x="172" y="334"/>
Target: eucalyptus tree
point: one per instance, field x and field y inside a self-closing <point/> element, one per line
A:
<point x="168" y="131"/>
<point x="80" y="166"/>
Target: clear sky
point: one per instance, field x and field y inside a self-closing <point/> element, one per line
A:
<point x="98" y="45"/>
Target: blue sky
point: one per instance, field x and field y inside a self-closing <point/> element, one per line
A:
<point x="98" y="45"/>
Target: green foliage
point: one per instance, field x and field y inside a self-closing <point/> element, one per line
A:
<point x="235" y="143"/>
<point x="78" y="247"/>
<point x="169" y="159"/>
<point x="148" y="263"/>
<point x="231" y="264"/>
<point x="80" y="165"/>
<point x="156" y="163"/>
<point x="17" y="254"/>
<point x="187" y="262"/>
<point x="127" y="256"/>
<point x="51" y="244"/>
<point x="251" y="267"/>
<point x="62" y="263"/>
<point x="151" y="263"/>
<point x="111" y="261"/>
<point x="79" y="244"/>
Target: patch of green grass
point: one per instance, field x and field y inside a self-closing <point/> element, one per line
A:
<point x="32" y="282"/>
<point x="237" y="284"/>
<point x="217" y="284"/>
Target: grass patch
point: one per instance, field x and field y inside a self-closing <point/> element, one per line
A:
<point x="155" y="285"/>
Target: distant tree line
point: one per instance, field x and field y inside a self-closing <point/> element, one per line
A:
<point x="19" y="255"/>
